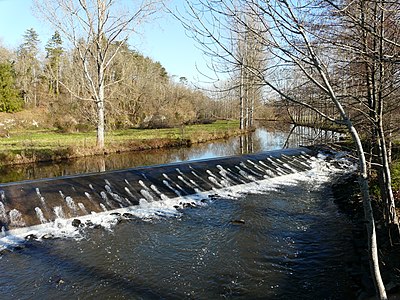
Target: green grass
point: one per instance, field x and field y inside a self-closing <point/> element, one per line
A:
<point x="49" y="144"/>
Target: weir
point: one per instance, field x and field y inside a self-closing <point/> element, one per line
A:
<point x="36" y="202"/>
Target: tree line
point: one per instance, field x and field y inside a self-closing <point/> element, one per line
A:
<point x="138" y="90"/>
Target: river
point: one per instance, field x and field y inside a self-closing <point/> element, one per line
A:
<point x="280" y="239"/>
<point x="263" y="139"/>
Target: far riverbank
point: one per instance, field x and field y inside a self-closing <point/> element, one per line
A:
<point x="39" y="145"/>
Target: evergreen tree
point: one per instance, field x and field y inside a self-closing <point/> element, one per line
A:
<point x="30" y="46"/>
<point x="28" y="66"/>
<point x="10" y="100"/>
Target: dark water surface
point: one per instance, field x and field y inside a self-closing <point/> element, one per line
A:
<point x="292" y="243"/>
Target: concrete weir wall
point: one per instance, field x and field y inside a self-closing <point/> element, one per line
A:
<point x="29" y="203"/>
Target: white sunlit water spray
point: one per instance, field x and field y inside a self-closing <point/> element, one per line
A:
<point x="129" y="192"/>
<point x="40" y="215"/>
<point x="117" y="197"/>
<point x="105" y="198"/>
<point x="16" y="219"/>
<point x="61" y="194"/>
<point x="245" y="174"/>
<point x="88" y="196"/>
<point x="178" y="188"/>
<point x="71" y="204"/>
<point x="268" y="171"/>
<point x="83" y="208"/>
<point x="128" y="201"/>
<point x="214" y="179"/>
<point x="3" y="214"/>
<point x="244" y="166"/>
<point x="189" y="184"/>
<point x="227" y="173"/>
<point x="103" y="207"/>
<point x="277" y="167"/>
<point x="145" y="193"/>
<point x="58" y="211"/>
<point x="129" y="184"/>
<point x="168" y="185"/>
<point x="157" y="191"/>
<point x="193" y="183"/>
<point x="2" y="195"/>
<point x="256" y="166"/>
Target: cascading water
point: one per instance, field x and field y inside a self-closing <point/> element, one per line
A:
<point x="77" y="196"/>
<point x="257" y="233"/>
<point x="16" y="218"/>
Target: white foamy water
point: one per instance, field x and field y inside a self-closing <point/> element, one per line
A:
<point x="40" y="215"/>
<point x="2" y="195"/>
<point x="71" y="204"/>
<point x="58" y="211"/>
<point x="3" y="214"/>
<point x="147" y="195"/>
<point x="82" y="208"/>
<point x="103" y="207"/>
<point x="16" y="218"/>
<point x="148" y="209"/>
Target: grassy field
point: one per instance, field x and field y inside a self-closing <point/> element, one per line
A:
<point x="40" y="145"/>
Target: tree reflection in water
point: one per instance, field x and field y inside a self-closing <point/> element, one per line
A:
<point x="265" y="138"/>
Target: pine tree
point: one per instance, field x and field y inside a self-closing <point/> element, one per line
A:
<point x="10" y="100"/>
<point x="28" y="66"/>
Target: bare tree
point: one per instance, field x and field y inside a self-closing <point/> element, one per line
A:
<point x="92" y="27"/>
<point x="374" y="45"/>
<point x="295" y="37"/>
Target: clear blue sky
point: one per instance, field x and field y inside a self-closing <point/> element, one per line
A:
<point x="164" y="41"/>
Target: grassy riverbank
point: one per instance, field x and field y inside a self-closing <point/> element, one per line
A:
<point x="24" y="146"/>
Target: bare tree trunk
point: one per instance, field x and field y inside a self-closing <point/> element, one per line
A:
<point x="369" y="216"/>
<point x="242" y="100"/>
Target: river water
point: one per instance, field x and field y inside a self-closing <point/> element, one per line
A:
<point x="263" y="139"/>
<point x="281" y="238"/>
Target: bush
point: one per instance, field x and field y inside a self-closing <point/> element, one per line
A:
<point x="66" y="124"/>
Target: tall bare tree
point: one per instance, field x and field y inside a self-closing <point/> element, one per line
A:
<point x="92" y="27"/>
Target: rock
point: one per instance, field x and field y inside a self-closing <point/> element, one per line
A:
<point x="189" y="205"/>
<point x="76" y="222"/>
<point x="31" y="237"/>
<point x="48" y="236"/>
<point x="213" y="196"/>
<point x="128" y="216"/>
<point x="238" y="222"/>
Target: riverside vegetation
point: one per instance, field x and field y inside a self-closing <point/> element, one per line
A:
<point x="49" y="144"/>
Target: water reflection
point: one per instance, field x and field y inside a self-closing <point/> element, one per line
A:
<point x="265" y="138"/>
